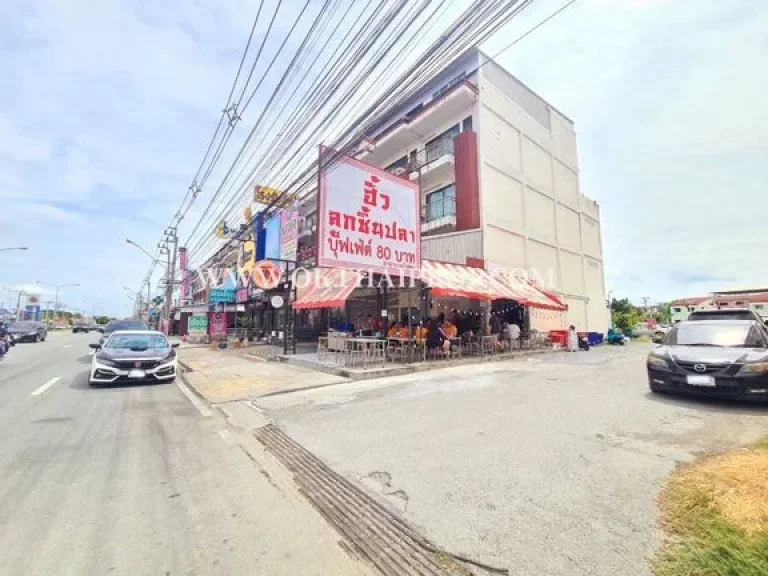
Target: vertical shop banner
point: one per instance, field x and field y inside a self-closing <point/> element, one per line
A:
<point x="198" y="325"/>
<point x="368" y="219"/>
<point x="183" y="266"/>
<point x="259" y="234"/>
<point x="289" y="232"/>
<point x="218" y="325"/>
<point x="272" y="241"/>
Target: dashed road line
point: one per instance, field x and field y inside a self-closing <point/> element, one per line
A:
<point x="45" y="386"/>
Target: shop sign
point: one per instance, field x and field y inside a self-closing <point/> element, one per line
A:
<point x="289" y="232"/>
<point x="271" y="196"/>
<point x="277" y="301"/>
<point x="241" y="295"/>
<point x="266" y="275"/>
<point x="183" y="265"/>
<point x="368" y="219"/>
<point x="272" y="240"/>
<point x="223" y="295"/>
<point x="219" y="325"/>
<point x="198" y="325"/>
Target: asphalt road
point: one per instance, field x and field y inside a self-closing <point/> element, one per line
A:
<point x="136" y="480"/>
<point x="545" y="466"/>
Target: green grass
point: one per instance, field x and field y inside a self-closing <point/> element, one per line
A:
<point x="701" y="542"/>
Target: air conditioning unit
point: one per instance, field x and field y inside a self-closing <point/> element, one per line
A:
<point x="399" y="171"/>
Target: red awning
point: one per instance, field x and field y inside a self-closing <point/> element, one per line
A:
<point x="455" y="280"/>
<point x="527" y="293"/>
<point x="325" y="288"/>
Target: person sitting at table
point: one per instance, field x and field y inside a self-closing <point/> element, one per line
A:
<point x="436" y="338"/>
<point x="394" y="330"/>
<point x="449" y="328"/>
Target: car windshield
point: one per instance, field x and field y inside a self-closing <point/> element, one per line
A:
<point x="716" y="334"/>
<point x="137" y="342"/>
<point x="126" y="326"/>
<point x="25" y="325"/>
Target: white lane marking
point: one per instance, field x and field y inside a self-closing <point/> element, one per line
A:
<point x="45" y="386"/>
<point x="67" y="346"/>
<point x="196" y="402"/>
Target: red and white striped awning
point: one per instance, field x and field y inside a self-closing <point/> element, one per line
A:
<point x="528" y="293"/>
<point x="325" y="288"/>
<point x="330" y="287"/>
<point x="447" y="279"/>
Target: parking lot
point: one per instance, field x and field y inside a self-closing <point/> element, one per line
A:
<point x="542" y="465"/>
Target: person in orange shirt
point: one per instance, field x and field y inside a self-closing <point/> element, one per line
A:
<point x="449" y="328"/>
<point x="394" y="330"/>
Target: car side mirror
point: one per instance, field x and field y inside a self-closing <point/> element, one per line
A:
<point x="175" y="344"/>
<point x="95" y="346"/>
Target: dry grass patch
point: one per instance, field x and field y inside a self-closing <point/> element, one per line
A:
<point x="715" y="513"/>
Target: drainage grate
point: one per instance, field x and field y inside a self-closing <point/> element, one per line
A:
<point x="371" y="530"/>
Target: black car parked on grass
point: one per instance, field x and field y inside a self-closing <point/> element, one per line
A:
<point x="28" y="331"/>
<point x="723" y="358"/>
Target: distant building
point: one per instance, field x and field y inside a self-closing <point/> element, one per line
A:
<point x="679" y="309"/>
<point x="755" y="299"/>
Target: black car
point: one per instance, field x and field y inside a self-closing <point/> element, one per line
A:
<point x="723" y="358"/>
<point x="725" y="314"/>
<point x="28" y="331"/>
<point x="115" y="325"/>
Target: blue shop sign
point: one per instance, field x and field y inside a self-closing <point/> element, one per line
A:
<point x="221" y="295"/>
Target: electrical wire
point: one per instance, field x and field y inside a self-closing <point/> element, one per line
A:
<point x="477" y="22"/>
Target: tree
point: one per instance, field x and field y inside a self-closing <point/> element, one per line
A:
<point x="664" y="313"/>
<point x="624" y="315"/>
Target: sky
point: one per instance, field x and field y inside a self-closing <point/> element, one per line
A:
<point x="106" y="109"/>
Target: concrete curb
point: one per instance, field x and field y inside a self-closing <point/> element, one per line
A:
<point x="183" y="375"/>
<point x="399" y="370"/>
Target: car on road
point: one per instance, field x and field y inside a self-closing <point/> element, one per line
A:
<point x="133" y="356"/>
<point x="85" y="328"/>
<point x="28" y="331"/>
<point x="115" y="325"/>
<point x="726" y="314"/>
<point x="725" y="358"/>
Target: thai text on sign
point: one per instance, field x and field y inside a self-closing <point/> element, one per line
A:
<point x="369" y="219"/>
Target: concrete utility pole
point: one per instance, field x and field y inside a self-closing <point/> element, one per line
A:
<point x="170" y="246"/>
<point x="18" y="305"/>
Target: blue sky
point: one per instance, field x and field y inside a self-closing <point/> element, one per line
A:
<point x="106" y="108"/>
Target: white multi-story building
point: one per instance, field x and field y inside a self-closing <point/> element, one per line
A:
<point x="499" y="176"/>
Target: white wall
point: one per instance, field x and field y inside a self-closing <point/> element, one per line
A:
<point x="530" y="196"/>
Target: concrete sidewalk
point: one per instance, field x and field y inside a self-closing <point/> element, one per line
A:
<point x="229" y="375"/>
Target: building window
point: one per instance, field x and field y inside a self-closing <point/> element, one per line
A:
<point x="441" y="203"/>
<point x="399" y="163"/>
<point x="466" y="125"/>
<point x="758" y="306"/>
<point x="441" y="145"/>
<point x="739" y="304"/>
<point x="676" y="310"/>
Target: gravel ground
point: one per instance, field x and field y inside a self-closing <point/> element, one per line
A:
<point x="546" y="466"/>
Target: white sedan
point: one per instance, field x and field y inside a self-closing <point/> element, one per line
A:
<point x="133" y="356"/>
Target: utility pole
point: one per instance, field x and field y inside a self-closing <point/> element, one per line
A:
<point x="18" y="305"/>
<point x="170" y="245"/>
